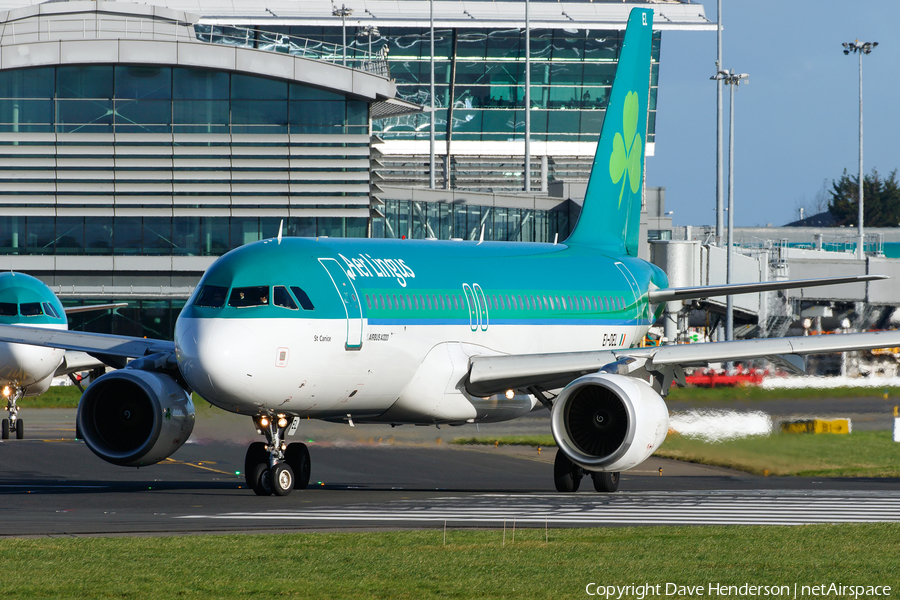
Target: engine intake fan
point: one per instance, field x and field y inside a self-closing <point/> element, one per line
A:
<point x="134" y="418"/>
<point x="606" y="422"/>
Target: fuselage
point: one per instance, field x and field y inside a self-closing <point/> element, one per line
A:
<point x="25" y="300"/>
<point x="378" y="330"/>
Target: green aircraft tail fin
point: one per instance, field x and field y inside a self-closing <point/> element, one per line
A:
<point x="610" y="217"/>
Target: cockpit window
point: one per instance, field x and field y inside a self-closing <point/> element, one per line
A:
<point x="8" y="309"/>
<point x="304" y="300"/>
<point x="31" y="309"/>
<point x="249" y="296"/>
<point x="49" y="310"/>
<point x="212" y="296"/>
<point x="281" y="297"/>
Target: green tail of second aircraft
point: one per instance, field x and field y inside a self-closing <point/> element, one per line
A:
<point x="610" y="217"/>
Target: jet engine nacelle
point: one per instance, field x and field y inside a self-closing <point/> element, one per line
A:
<point x="134" y="418"/>
<point x="606" y="422"/>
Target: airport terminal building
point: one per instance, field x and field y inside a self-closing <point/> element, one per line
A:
<point x="140" y="141"/>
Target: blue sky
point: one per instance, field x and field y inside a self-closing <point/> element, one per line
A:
<point x="796" y="124"/>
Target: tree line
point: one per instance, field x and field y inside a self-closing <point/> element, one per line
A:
<point x="881" y="200"/>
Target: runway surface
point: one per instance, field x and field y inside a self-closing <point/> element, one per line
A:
<point x="376" y="477"/>
<point x="773" y="507"/>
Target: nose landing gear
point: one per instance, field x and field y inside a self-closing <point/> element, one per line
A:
<point x="276" y="467"/>
<point x="13" y="423"/>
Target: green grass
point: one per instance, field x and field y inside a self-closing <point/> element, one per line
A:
<point x="58" y="396"/>
<point x="722" y="394"/>
<point x="860" y="454"/>
<point x="473" y="564"/>
<point x="67" y="396"/>
<point x="507" y="440"/>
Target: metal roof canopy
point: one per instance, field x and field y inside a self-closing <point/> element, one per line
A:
<point x="452" y="14"/>
<point x="393" y="107"/>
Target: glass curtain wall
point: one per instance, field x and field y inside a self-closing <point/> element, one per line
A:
<point x="148" y="99"/>
<point x="162" y="236"/>
<point x="420" y="220"/>
<point x="571" y="74"/>
<point x="150" y="318"/>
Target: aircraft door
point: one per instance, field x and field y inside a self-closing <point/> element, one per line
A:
<point x="474" y="313"/>
<point x="350" y="299"/>
<point x="482" y="306"/>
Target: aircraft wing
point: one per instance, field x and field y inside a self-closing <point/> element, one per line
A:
<point x="71" y="310"/>
<point x="688" y="293"/>
<point x="494" y="374"/>
<point x="113" y="350"/>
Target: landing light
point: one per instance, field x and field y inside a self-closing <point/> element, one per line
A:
<point x="510" y="394"/>
<point x="6" y="391"/>
<point x="263" y="421"/>
<point x="282" y="422"/>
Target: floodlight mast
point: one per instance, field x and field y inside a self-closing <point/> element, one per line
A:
<point x="720" y="204"/>
<point x="343" y="12"/>
<point x="860" y="48"/>
<point x="369" y="30"/>
<point x="733" y="80"/>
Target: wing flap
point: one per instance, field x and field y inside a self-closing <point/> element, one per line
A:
<point x="493" y="374"/>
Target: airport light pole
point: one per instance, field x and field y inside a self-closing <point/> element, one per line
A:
<point x="860" y="48"/>
<point x="431" y="166"/>
<point x="720" y="204"/>
<point x="369" y="30"/>
<point x="343" y="12"/>
<point x="734" y="80"/>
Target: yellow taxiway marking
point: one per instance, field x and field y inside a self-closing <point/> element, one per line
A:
<point x="172" y="461"/>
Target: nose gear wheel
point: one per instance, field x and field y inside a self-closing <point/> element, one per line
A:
<point x="13" y="423"/>
<point x="275" y="467"/>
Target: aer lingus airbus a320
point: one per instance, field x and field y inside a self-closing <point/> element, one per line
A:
<point x="431" y="332"/>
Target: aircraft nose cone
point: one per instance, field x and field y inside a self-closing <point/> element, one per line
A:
<point x="218" y="358"/>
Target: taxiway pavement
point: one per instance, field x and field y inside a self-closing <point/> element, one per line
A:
<point x="378" y="477"/>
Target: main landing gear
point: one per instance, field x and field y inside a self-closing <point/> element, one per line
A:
<point x="13" y="423"/>
<point x="567" y="476"/>
<point x="276" y="467"/>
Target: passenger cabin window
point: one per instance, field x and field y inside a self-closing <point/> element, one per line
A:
<point x="212" y="296"/>
<point x="31" y="309"/>
<point x="281" y="297"/>
<point x="8" y="309"/>
<point x="302" y="298"/>
<point x="49" y="310"/>
<point x="245" y="297"/>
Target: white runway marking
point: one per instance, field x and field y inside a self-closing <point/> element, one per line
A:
<point x="778" y="507"/>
